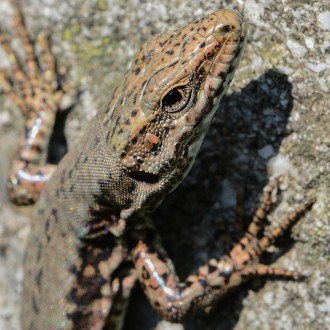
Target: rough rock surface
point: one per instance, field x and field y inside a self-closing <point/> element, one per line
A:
<point x="277" y="109"/>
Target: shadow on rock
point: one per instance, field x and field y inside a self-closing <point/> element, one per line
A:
<point x="198" y="221"/>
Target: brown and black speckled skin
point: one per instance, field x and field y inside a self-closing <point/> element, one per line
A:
<point x="91" y="237"/>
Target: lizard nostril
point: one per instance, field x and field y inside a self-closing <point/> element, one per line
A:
<point x="224" y="29"/>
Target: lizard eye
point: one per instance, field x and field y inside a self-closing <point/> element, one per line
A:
<point x="173" y="97"/>
<point x="176" y="99"/>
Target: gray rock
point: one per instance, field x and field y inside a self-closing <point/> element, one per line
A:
<point x="287" y="109"/>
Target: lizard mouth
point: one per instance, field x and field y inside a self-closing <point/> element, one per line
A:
<point x="144" y="176"/>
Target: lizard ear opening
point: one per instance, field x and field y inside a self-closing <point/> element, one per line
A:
<point x="144" y="176"/>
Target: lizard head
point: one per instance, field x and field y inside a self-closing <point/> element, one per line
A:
<point x="158" y="116"/>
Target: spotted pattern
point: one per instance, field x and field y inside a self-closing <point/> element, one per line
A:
<point x="198" y="61"/>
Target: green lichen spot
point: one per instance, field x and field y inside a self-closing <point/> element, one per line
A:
<point x="76" y="28"/>
<point x="102" y="4"/>
<point x="67" y="35"/>
<point x="106" y="40"/>
<point x="274" y="52"/>
<point x="74" y="48"/>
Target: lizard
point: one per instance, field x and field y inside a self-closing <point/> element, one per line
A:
<point x="92" y="236"/>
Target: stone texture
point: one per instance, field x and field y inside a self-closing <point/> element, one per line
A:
<point x="278" y="102"/>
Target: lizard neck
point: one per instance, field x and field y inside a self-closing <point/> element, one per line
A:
<point x="112" y="195"/>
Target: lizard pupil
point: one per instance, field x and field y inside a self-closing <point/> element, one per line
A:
<point x="173" y="97"/>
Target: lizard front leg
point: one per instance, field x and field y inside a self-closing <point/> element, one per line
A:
<point x="174" y="300"/>
<point x="36" y="90"/>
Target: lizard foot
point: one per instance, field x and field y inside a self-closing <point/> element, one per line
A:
<point x="36" y="89"/>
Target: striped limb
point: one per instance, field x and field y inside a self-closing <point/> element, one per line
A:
<point x="35" y="89"/>
<point x="174" y="300"/>
<point x="259" y="218"/>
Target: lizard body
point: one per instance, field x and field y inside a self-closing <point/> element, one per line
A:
<point x="101" y="186"/>
<point x="91" y="225"/>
